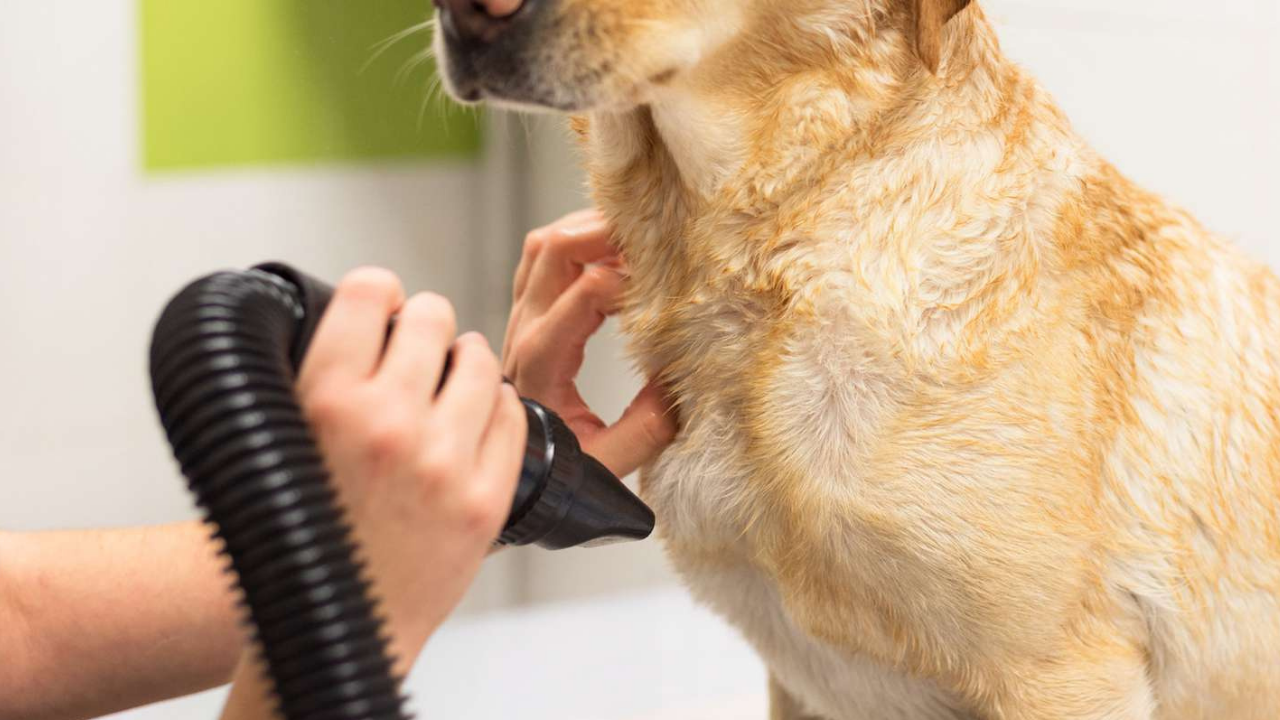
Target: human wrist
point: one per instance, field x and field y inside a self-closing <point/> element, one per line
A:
<point x="407" y="636"/>
<point x="404" y="609"/>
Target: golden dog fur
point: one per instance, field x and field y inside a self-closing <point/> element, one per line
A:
<point x="973" y="427"/>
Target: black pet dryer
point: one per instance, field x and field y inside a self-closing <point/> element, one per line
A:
<point x="223" y="360"/>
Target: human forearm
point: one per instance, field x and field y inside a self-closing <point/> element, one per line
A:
<point x="106" y="620"/>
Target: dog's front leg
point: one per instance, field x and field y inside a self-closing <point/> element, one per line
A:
<point x="1097" y="678"/>
<point x="782" y="706"/>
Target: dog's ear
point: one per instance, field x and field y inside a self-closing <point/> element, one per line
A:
<point x="930" y="17"/>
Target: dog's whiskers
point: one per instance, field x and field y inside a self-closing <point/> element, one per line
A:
<point x="380" y="48"/>
<point x="412" y="64"/>
<point x="432" y="92"/>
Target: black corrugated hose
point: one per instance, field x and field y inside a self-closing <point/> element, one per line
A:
<point x="222" y="370"/>
<point x="223" y="360"/>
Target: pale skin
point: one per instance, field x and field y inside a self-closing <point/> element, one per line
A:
<point x="93" y="622"/>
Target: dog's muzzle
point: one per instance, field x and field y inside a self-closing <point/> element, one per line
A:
<point x="486" y="43"/>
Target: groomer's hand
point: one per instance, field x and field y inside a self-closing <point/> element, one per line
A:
<point x="569" y="281"/>
<point x="427" y="478"/>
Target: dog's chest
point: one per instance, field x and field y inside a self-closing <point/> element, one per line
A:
<point x="809" y="376"/>
<point x="786" y="354"/>
<point x="736" y="356"/>
<point x="794" y="342"/>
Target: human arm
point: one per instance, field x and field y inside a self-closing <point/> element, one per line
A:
<point x="97" y="621"/>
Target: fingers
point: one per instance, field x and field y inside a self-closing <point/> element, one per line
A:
<point x="539" y="239"/>
<point x="646" y="428"/>
<point x="555" y="344"/>
<point x="502" y="448"/>
<point x="569" y="281"/>
<point x="350" y="336"/>
<point x="470" y="392"/>
<point x="554" y="257"/>
<point x="582" y="309"/>
<point x="562" y="259"/>
<point x="415" y="356"/>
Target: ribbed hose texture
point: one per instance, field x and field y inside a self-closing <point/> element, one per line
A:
<point x="223" y="379"/>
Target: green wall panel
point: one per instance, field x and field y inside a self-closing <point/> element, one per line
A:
<point x="252" y="82"/>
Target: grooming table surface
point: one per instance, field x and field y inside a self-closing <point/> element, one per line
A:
<point x="651" y="656"/>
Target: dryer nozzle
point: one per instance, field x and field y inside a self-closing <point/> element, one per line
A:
<point x="566" y="498"/>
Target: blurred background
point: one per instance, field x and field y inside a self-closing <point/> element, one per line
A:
<point x="145" y="142"/>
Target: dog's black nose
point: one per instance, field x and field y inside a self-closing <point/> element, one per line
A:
<point x="478" y="20"/>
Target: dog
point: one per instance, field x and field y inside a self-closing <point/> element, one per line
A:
<point x="972" y="425"/>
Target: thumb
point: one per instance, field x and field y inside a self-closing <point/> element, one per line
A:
<point x="645" y="429"/>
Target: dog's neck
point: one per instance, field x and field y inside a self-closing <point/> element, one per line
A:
<point x="735" y="143"/>
<point x="744" y="112"/>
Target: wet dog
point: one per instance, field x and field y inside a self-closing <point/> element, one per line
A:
<point x="972" y="425"/>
